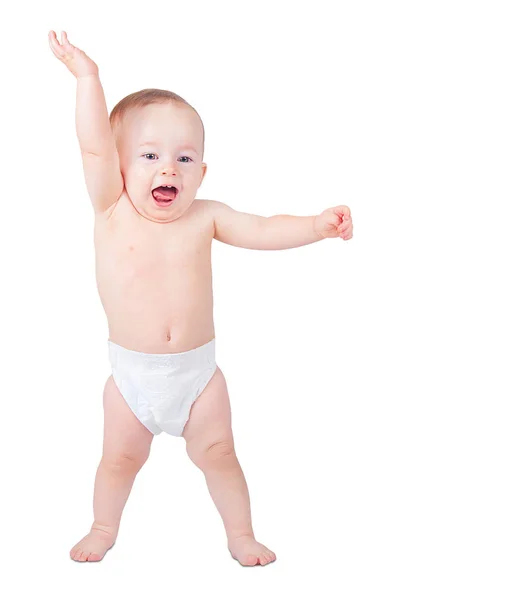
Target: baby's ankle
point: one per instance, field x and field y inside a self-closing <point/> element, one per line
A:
<point x="108" y="530"/>
<point x="234" y="535"/>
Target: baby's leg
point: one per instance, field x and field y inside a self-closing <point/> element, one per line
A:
<point x="210" y="445"/>
<point x="126" y="448"/>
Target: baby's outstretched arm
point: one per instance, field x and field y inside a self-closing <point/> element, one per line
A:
<point x="98" y="149"/>
<point x="278" y="232"/>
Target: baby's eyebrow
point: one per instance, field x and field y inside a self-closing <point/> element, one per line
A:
<point x="179" y="148"/>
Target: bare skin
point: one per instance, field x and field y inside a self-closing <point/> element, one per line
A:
<point x="153" y="269"/>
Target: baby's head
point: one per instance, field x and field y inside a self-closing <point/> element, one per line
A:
<point x="160" y="141"/>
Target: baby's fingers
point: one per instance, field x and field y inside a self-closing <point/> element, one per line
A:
<point x="54" y="44"/>
<point x="348" y="234"/>
<point x="65" y="40"/>
<point x="60" y="50"/>
<point x="345" y="231"/>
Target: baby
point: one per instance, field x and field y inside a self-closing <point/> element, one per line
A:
<point x="143" y="166"/>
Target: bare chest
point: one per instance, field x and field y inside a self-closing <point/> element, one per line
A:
<point x="132" y="254"/>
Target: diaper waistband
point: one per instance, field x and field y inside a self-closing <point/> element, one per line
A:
<point x="201" y="356"/>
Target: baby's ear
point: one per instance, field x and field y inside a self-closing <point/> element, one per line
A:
<point x="204" y="171"/>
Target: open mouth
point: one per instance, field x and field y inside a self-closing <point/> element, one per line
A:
<point x="164" y="194"/>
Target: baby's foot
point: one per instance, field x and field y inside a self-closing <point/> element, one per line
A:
<point x="93" y="546"/>
<point x="249" y="552"/>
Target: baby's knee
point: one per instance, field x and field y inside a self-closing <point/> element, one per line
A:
<point x="205" y="456"/>
<point x="124" y="461"/>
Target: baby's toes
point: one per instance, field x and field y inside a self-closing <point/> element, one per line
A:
<point x="84" y="556"/>
<point x="78" y="555"/>
<point x="93" y="557"/>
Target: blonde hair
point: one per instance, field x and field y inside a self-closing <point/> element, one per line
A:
<point x="145" y="98"/>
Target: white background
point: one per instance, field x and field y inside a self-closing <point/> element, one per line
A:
<point x="366" y="377"/>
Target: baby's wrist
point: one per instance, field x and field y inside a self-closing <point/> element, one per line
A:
<point x="87" y="76"/>
<point x="316" y="228"/>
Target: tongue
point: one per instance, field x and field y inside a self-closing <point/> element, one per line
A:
<point x="163" y="194"/>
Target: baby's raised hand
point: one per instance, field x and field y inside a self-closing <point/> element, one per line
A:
<point x="334" y="222"/>
<point x="76" y="61"/>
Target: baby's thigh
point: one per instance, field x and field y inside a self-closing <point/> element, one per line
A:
<point x="124" y="435"/>
<point x="210" y="421"/>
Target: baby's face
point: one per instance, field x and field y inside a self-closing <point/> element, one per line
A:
<point x="161" y="144"/>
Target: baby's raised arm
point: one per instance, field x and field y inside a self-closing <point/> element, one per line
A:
<point x="98" y="149"/>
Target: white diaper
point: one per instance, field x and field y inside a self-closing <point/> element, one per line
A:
<point x="161" y="388"/>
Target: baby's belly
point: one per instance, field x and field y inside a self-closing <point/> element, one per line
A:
<point x="158" y="315"/>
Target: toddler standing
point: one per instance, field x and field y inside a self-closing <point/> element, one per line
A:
<point x="143" y="166"/>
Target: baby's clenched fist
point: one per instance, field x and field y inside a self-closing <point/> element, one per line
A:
<point x="334" y="222"/>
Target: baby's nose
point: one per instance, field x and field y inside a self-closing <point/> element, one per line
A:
<point x="167" y="170"/>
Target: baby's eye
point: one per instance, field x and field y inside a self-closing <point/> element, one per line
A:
<point x="148" y="154"/>
<point x="189" y="159"/>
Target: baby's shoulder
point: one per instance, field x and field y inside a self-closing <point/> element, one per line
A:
<point x="205" y="205"/>
<point x="206" y="209"/>
<point x="209" y="207"/>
